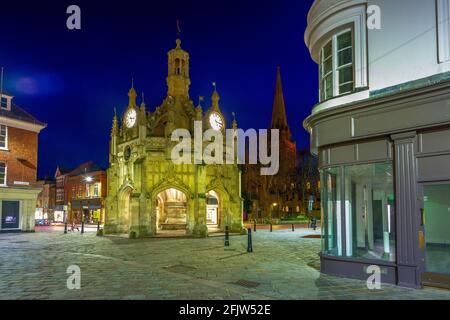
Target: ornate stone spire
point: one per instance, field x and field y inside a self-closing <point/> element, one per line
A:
<point x="279" y="119"/>
<point x="143" y="117"/>
<point x="215" y="98"/>
<point x="132" y="95"/>
<point x="115" y="125"/>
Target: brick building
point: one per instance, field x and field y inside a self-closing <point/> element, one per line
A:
<point x="45" y="205"/>
<point x="81" y="191"/>
<point x="61" y="197"/>
<point x="19" y="132"/>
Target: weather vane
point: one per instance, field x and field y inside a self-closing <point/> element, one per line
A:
<point x="178" y="28"/>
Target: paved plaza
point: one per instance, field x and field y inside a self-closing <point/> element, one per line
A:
<point x="284" y="265"/>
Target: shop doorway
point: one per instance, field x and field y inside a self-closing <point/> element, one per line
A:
<point x="434" y="236"/>
<point x="212" y="210"/>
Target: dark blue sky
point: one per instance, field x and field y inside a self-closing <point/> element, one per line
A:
<point x="72" y="79"/>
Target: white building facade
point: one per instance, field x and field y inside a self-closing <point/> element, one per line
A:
<point x="382" y="133"/>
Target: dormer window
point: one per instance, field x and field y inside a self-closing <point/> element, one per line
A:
<point x="336" y="66"/>
<point x="4" y="103"/>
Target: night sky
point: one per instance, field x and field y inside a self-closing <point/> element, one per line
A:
<point x="72" y="80"/>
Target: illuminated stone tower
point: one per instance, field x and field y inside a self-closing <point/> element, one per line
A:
<point x="148" y="193"/>
<point x="178" y="81"/>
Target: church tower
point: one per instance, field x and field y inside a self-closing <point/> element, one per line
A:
<point x="178" y="81"/>
<point x="288" y="149"/>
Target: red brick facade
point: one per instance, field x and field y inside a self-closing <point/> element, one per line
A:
<point x="21" y="156"/>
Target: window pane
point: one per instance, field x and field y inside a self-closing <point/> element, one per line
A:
<point x="327" y="51"/>
<point x="327" y="66"/>
<point x="329" y="86"/>
<point x="345" y="57"/>
<point x="2" y="173"/>
<point x="346" y="75"/>
<point x="344" y="40"/>
<point x="346" y="88"/>
<point x="4" y="103"/>
<point x="437" y="226"/>
<point x="2" y="136"/>
<point x="331" y="205"/>
<point x="370" y="211"/>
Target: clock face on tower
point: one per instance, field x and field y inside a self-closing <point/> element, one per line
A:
<point x="216" y="121"/>
<point x="130" y="118"/>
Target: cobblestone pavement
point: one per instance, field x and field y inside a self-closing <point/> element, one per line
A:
<point x="283" y="266"/>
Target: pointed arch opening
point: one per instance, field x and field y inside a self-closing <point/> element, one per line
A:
<point x="171" y="211"/>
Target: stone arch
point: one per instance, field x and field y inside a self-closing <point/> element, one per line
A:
<point x="124" y="209"/>
<point x="169" y="218"/>
<point x="223" y="207"/>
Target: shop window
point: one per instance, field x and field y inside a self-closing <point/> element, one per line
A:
<point x="2" y="173"/>
<point x="359" y="211"/>
<point x="336" y="66"/>
<point x="369" y="211"/>
<point x="331" y="226"/>
<point x="3" y="136"/>
<point x="10" y="214"/>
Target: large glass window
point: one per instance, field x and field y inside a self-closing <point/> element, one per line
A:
<point x="2" y="173"/>
<point x="336" y="66"/>
<point x="3" y="136"/>
<point x="331" y="206"/>
<point x="369" y="211"/>
<point x="359" y="212"/>
<point x="437" y="228"/>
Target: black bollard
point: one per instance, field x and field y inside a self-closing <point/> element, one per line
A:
<point x="254" y="225"/>
<point x="271" y="227"/>
<point x="82" y="223"/>
<point x="98" y="225"/>
<point x="227" y="237"/>
<point x="65" y="227"/>
<point x="293" y="228"/>
<point x="249" y="244"/>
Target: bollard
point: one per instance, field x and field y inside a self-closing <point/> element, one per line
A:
<point x="249" y="244"/>
<point x="314" y="223"/>
<point x="98" y="225"/>
<point x="293" y="228"/>
<point x="82" y="223"/>
<point x="271" y="227"/>
<point x="65" y="227"/>
<point x="227" y="237"/>
<point x="254" y="225"/>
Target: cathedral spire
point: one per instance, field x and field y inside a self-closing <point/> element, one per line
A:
<point x="279" y="119"/>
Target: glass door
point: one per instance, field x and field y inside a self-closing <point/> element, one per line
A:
<point x="436" y="222"/>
